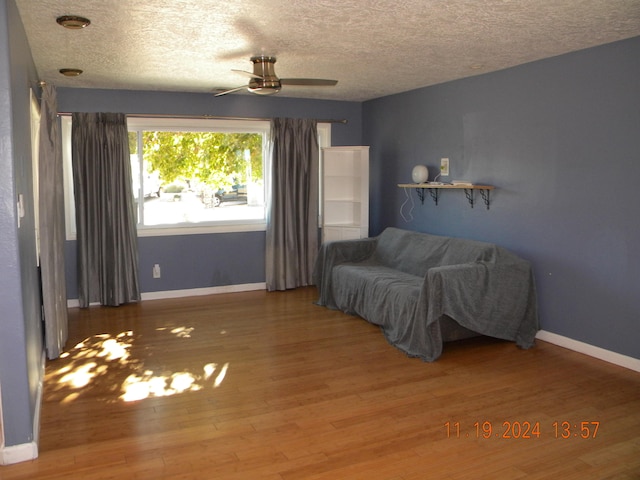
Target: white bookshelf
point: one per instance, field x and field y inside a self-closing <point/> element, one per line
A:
<point x="345" y="193"/>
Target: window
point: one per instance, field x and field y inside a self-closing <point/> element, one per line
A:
<point x="199" y="173"/>
<point x="193" y="175"/>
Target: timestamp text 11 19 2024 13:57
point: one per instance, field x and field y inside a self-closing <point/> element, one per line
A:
<point x="522" y="430"/>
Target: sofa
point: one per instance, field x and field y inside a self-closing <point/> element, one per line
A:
<point x="424" y="290"/>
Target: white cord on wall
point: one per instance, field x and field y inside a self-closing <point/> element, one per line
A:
<point x="410" y="213"/>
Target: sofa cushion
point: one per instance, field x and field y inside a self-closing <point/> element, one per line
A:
<point x="415" y="253"/>
<point x="380" y="294"/>
<point x="386" y="297"/>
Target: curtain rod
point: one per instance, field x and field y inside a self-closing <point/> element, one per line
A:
<point x="212" y="117"/>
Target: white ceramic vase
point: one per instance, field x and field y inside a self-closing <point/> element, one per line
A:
<point x="420" y="174"/>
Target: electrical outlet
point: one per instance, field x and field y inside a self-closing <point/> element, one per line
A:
<point x="156" y="271"/>
<point x="444" y="167"/>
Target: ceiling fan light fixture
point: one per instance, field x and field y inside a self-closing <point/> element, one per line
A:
<point x="264" y="90"/>
<point x="73" y="22"/>
<point x="265" y="80"/>
<point x="70" y="72"/>
<point x="263" y="66"/>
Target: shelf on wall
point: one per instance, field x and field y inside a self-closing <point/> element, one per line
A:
<point x="434" y="191"/>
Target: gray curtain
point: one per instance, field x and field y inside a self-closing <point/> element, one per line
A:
<point x="51" y="225"/>
<point x="292" y="218"/>
<point x="105" y="210"/>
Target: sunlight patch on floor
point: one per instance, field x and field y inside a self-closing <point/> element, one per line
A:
<point x="139" y="387"/>
<point x="109" y="356"/>
<point x="81" y="376"/>
<point x="180" y="332"/>
<point x="221" y="375"/>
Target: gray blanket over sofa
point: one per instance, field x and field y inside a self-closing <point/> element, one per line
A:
<point x="423" y="290"/>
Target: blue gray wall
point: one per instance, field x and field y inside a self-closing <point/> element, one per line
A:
<point x="560" y="139"/>
<point x="207" y="260"/>
<point x="21" y="346"/>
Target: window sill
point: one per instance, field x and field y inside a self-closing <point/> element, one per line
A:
<point x="202" y="229"/>
<point x="260" y="226"/>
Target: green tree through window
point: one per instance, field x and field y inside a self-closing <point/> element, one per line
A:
<point x="214" y="159"/>
<point x="188" y="173"/>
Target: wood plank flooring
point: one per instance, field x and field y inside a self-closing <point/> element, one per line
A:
<point x="261" y="385"/>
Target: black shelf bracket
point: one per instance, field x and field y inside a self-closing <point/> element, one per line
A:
<point x="420" y="192"/>
<point x="469" y="193"/>
<point x="486" y="197"/>
<point x="435" y="194"/>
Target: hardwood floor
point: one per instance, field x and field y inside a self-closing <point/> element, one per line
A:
<point x="270" y="386"/>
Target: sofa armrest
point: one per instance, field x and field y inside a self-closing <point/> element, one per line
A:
<point x="336" y="253"/>
<point x="495" y="299"/>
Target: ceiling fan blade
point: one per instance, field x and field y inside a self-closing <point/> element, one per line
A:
<point x="312" y="82"/>
<point x="264" y="80"/>
<point x="248" y="74"/>
<point x="237" y="89"/>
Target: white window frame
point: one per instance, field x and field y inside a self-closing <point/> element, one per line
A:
<point x="207" y="125"/>
<point x="67" y="174"/>
<point x="190" y="124"/>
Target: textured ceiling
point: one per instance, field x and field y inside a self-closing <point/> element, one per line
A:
<point x="372" y="47"/>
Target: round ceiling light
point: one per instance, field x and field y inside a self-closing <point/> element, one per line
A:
<point x="73" y="22"/>
<point x="70" y="72"/>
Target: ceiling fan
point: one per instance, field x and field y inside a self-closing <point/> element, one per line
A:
<point x="264" y="80"/>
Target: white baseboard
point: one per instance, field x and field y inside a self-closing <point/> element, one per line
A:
<point x="25" y="451"/>
<point x="593" y="351"/>
<point x="18" y="453"/>
<point x="192" y="292"/>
